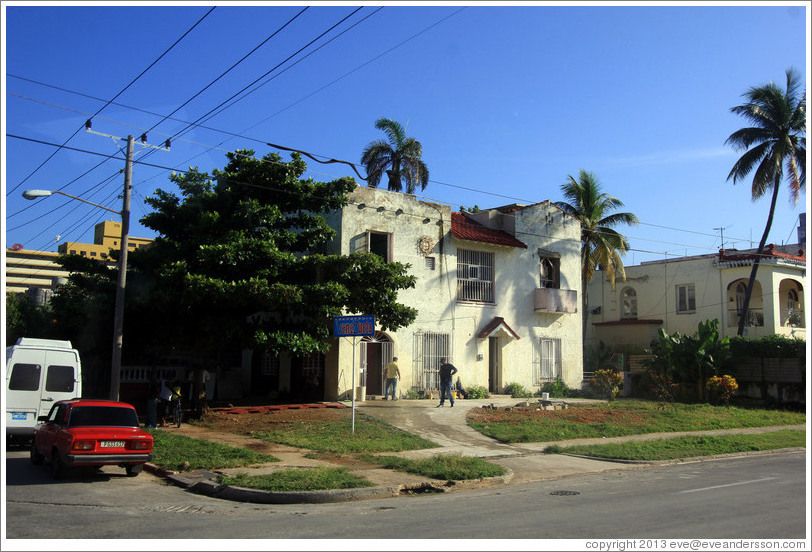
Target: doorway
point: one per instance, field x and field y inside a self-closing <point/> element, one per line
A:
<point x="376" y="352"/>
<point x="494" y="365"/>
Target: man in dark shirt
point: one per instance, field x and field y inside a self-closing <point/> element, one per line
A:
<point x="446" y="371"/>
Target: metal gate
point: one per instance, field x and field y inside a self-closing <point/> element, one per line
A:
<point x="386" y="358"/>
<point x="428" y="349"/>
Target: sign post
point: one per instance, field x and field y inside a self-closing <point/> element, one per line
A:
<point x="353" y="326"/>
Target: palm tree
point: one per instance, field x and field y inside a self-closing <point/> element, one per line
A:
<point x="776" y="141"/>
<point x="401" y="153"/>
<point x="601" y="245"/>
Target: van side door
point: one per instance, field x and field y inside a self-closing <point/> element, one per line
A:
<point x="61" y="379"/>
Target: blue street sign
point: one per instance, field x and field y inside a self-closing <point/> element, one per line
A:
<point x="347" y="326"/>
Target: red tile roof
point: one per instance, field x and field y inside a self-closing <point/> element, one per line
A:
<point x="464" y="228"/>
<point x="495" y="324"/>
<point x="769" y="251"/>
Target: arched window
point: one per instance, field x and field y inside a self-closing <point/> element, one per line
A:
<point x="628" y="299"/>
<point x="741" y="291"/>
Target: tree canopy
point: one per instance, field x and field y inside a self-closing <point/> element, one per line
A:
<point x="241" y="260"/>
<point x="777" y="141"/>
<point x="400" y="153"/>
<point x="601" y="245"/>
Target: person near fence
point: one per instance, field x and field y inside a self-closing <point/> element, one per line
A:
<point x="153" y="394"/>
<point x="392" y="376"/>
<point x="447" y="370"/>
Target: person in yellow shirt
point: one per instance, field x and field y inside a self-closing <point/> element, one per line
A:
<point x="392" y="376"/>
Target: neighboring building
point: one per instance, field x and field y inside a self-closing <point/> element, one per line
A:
<point x="33" y="272"/>
<point x="106" y="236"/>
<point x="678" y="294"/>
<point x="802" y="229"/>
<point x="37" y="272"/>
<point x="497" y="294"/>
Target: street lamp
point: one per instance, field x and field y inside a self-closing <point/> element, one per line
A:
<point x="35" y="194"/>
<point x="118" y="322"/>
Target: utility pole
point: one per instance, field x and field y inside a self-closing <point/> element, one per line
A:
<point x="121" y="282"/>
<point x="118" y="324"/>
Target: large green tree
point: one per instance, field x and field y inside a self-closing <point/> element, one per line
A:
<point x="601" y="245"/>
<point x="775" y="145"/>
<point x="399" y="157"/>
<point x="241" y="260"/>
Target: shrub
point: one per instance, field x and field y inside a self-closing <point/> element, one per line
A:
<point x="771" y="346"/>
<point x="476" y="392"/>
<point x="517" y="391"/>
<point x="561" y="390"/>
<point x="414" y="393"/>
<point x="721" y="388"/>
<point x="607" y="383"/>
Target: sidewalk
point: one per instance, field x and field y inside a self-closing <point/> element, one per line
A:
<point x="445" y="426"/>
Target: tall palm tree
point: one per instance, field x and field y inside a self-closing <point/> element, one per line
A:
<point x="777" y="140"/>
<point x="400" y="153"/>
<point x="601" y="245"/>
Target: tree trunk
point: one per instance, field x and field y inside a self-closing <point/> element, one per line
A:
<point x="746" y="306"/>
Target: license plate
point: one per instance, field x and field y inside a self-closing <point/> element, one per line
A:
<point x="112" y="444"/>
<point x="19" y="415"/>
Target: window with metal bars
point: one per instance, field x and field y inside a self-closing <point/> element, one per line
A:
<point x="475" y="276"/>
<point x="547" y="361"/>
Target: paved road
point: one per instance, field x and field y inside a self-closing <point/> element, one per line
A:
<point x="746" y="497"/>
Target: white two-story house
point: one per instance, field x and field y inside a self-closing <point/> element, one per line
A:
<point x="497" y="294"/>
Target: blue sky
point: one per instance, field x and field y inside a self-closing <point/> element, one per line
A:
<point x="506" y="100"/>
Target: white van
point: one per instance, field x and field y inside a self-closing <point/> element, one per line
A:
<point x="39" y="372"/>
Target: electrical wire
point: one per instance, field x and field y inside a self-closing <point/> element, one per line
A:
<point x="433" y="200"/>
<point x="114" y="97"/>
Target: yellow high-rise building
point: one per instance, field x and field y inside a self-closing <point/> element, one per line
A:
<point x="106" y="236"/>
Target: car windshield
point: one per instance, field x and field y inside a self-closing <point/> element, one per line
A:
<point x="102" y="416"/>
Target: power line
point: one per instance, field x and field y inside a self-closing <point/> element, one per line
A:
<point x="114" y="97"/>
<point x="434" y="200"/>
<point x="211" y="113"/>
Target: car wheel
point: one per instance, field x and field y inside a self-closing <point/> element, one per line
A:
<point x="133" y="469"/>
<point x="36" y="458"/>
<point x="58" y="468"/>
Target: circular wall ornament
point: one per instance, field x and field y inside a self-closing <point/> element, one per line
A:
<point x="425" y="245"/>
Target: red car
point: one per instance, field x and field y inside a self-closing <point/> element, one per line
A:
<point x="90" y="432"/>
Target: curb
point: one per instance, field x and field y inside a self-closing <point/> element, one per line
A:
<point x="689" y="458"/>
<point x="202" y="484"/>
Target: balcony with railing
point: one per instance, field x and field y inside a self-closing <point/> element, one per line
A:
<point x="555" y="300"/>
<point x="475" y="291"/>
<point x="755" y="317"/>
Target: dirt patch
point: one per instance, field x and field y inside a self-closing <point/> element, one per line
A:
<point x="247" y="423"/>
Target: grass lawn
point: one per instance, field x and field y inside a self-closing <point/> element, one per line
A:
<point x="440" y="466"/>
<point x="619" y="418"/>
<point x="179" y="453"/>
<point x="688" y="446"/>
<point x="371" y="435"/>
<point x="288" y="480"/>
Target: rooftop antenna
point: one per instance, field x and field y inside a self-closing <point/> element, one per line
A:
<point x="722" y="232"/>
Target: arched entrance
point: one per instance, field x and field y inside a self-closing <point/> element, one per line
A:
<point x="736" y="292"/>
<point x="376" y="352"/>
<point x="791" y="301"/>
